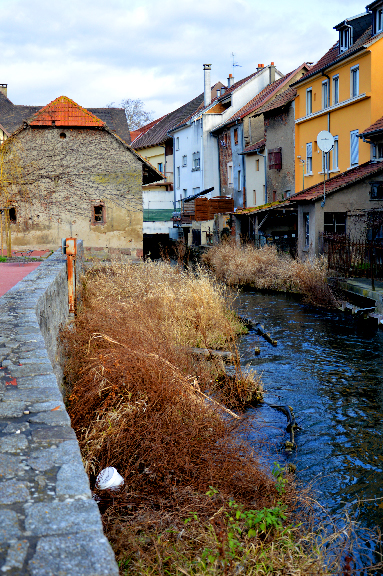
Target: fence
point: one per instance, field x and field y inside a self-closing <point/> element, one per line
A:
<point x="354" y="258"/>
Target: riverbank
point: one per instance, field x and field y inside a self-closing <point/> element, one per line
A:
<point x="267" y="269"/>
<point x="196" y="499"/>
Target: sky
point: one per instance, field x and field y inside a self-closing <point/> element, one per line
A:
<point x="98" y="52"/>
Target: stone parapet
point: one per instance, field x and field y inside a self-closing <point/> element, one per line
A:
<point x="49" y="523"/>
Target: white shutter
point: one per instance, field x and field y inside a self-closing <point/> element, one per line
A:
<point x="354" y="147"/>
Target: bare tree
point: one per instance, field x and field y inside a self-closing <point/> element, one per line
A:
<point x="136" y="115"/>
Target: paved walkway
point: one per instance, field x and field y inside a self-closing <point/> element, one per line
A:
<point x="11" y="273"/>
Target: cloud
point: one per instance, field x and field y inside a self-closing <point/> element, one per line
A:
<point x="96" y="53"/>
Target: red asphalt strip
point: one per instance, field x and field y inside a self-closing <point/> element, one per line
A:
<point x="12" y="272"/>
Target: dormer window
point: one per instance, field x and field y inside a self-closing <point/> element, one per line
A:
<point x="344" y="38"/>
<point x="379" y="20"/>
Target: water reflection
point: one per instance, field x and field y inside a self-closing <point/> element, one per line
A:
<point x="331" y="373"/>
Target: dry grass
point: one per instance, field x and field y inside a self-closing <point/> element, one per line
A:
<point x="267" y="269"/>
<point x="135" y="399"/>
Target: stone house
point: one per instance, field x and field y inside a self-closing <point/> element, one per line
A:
<point x="340" y="209"/>
<point x="80" y="179"/>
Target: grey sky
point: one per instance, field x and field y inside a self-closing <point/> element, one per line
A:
<point x="98" y="52"/>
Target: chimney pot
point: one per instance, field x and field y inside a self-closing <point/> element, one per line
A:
<point x="272" y="64"/>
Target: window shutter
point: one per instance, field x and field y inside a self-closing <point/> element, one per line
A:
<point x="354" y="148"/>
<point x="275" y="158"/>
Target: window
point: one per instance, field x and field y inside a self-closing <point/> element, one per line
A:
<point x="334" y="223"/>
<point x="354" y="81"/>
<point x="335" y="154"/>
<point x="98" y="214"/>
<point x="379" y="20"/>
<point x="184" y="161"/>
<point x="306" y="227"/>
<point x="325" y="161"/>
<point x="239" y="181"/>
<point x="354" y="147"/>
<point x="335" y="89"/>
<point x="177" y="143"/>
<point x="325" y="94"/>
<point x="160" y="167"/>
<point x="275" y="159"/>
<point x="235" y="136"/>
<point x="12" y="215"/>
<point x="196" y="161"/>
<point x="377" y="151"/>
<point x="376" y="192"/>
<point x="257" y="165"/>
<point x="344" y="39"/>
<point x="309" y="101"/>
<point x="230" y="174"/>
<point x="178" y="181"/>
<point x="309" y="158"/>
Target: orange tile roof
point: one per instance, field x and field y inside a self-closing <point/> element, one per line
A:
<point x="65" y="112"/>
<point x="375" y="127"/>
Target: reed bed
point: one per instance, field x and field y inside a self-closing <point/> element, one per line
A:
<point x="267" y="269"/>
<point x="196" y="499"/>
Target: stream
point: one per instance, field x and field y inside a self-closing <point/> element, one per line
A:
<point x="330" y="371"/>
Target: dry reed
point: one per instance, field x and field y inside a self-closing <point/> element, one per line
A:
<point x="134" y="397"/>
<point x="267" y="269"/>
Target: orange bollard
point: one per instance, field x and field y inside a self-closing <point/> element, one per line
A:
<point x="71" y="251"/>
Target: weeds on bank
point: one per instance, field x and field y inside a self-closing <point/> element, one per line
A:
<point x="266" y="268"/>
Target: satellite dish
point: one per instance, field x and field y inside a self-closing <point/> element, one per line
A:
<point x="325" y="141"/>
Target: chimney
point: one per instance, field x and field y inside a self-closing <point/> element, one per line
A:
<point x="223" y="90"/>
<point x="207" y="84"/>
<point x="218" y="92"/>
<point x="230" y="80"/>
<point x="3" y="89"/>
<point x="272" y="73"/>
<point x="260" y="66"/>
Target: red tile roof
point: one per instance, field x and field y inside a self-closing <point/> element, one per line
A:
<point x="135" y="133"/>
<point x="267" y="96"/>
<point x="64" y="112"/>
<point x="340" y="181"/>
<point x="280" y="100"/>
<point x="375" y="127"/>
<point x="255" y="147"/>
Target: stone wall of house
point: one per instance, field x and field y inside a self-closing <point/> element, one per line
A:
<point x="225" y="156"/>
<point x="254" y="130"/>
<point x="67" y="172"/>
<point x="279" y="131"/>
<point x="49" y="522"/>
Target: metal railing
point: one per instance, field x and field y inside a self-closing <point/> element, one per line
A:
<point x="353" y="258"/>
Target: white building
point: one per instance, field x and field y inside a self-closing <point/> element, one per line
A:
<point x="196" y="162"/>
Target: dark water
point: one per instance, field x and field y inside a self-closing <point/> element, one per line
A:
<point x="330" y="371"/>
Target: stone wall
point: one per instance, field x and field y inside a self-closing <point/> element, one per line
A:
<point x="49" y="524"/>
<point x="279" y="131"/>
<point x="66" y="174"/>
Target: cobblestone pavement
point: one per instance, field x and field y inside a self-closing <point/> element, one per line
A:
<point x="49" y="524"/>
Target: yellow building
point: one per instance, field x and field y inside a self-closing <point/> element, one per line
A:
<point x="342" y="94"/>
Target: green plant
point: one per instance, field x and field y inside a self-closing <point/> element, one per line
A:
<point x="3" y="259"/>
<point x="281" y="481"/>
